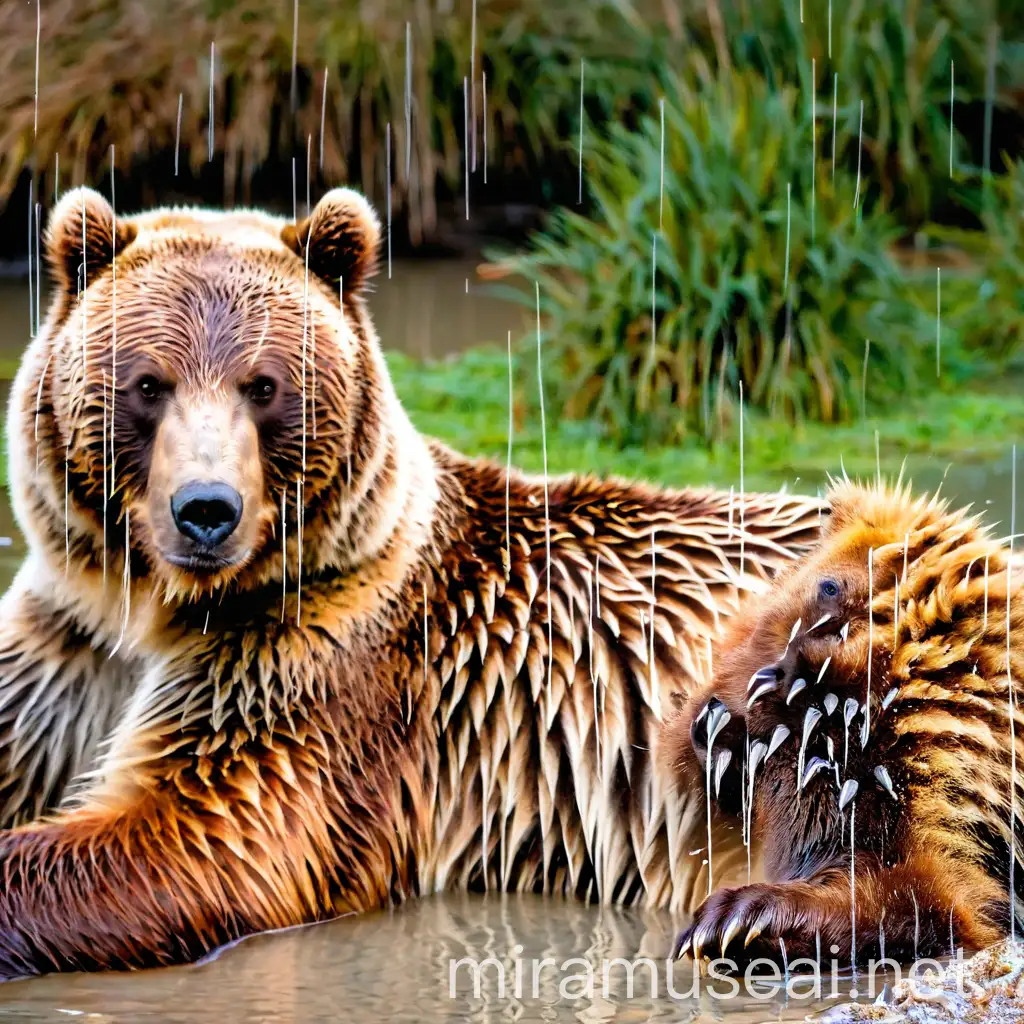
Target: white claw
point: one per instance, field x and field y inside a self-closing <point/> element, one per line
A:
<point x="848" y="792"/>
<point x="793" y="632"/>
<point x="813" y="767"/>
<point x="885" y="780"/>
<point x="700" y="936"/>
<point x="760" y="692"/>
<point x="890" y="697"/>
<point x="850" y="709"/>
<point x="721" y="765"/>
<point x="718" y="719"/>
<point x="828" y="661"/>
<point x="831" y="703"/>
<point x="732" y="929"/>
<point x="811" y="719"/>
<point x="779" y="737"/>
<point x="800" y="684"/>
<point x="768" y="674"/>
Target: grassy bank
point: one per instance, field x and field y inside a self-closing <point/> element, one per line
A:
<point x="464" y="401"/>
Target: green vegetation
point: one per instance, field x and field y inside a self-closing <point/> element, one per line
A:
<point x="987" y="299"/>
<point x="755" y="273"/>
<point x="764" y="268"/>
<point x="111" y="73"/>
<point x="464" y="402"/>
<point x="895" y="57"/>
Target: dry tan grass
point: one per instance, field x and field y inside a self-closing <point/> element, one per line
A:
<point x="111" y="72"/>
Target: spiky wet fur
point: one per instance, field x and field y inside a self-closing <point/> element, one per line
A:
<point x="930" y="859"/>
<point x="214" y="757"/>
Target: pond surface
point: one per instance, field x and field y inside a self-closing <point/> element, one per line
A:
<point x="395" y="966"/>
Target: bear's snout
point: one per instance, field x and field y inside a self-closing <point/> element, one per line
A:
<point x="206" y="512"/>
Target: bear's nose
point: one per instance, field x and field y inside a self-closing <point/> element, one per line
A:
<point x="206" y="512"/>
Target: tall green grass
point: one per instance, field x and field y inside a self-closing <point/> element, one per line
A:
<point x="759" y="266"/>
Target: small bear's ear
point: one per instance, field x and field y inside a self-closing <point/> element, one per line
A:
<point x="343" y="235"/>
<point x="67" y="241"/>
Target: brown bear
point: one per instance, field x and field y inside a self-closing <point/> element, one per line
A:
<point x="870" y="708"/>
<point x="274" y="656"/>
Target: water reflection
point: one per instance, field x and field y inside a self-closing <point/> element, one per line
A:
<point x="395" y="966"/>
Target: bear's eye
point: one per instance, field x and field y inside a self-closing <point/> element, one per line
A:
<point x="261" y="390"/>
<point x="828" y="588"/>
<point x="149" y="388"/>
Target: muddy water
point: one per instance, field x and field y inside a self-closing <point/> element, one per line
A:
<point x="396" y="966"/>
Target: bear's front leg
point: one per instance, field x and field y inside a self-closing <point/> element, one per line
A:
<point x="181" y="868"/>
<point x="911" y="906"/>
<point x="59" y="693"/>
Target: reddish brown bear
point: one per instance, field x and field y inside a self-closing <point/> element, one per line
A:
<point x="274" y="656"/>
<point x="866" y="708"/>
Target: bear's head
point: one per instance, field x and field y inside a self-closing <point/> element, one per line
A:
<point x="206" y="391"/>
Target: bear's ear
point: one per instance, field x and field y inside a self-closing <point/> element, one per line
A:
<point x="82" y="223"/>
<point x="343" y="235"/>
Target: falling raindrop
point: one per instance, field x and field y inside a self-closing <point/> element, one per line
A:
<point x="547" y="509"/>
<point x="387" y="147"/>
<point x="866" y="727"/>
<point x="465" y="137"/>
<point x="508" y="466"/>
<point x="323" y="119"/>
<point x="1012" y="710"/>
<point x="579" y="197"/>
<point x="860" y="153"/>
<point x="814" y="139"/>
<point x="35" y="111"/>
<point x="31" y="262"/>
<point x="835" y="118"/>
<point x="952" y="89"/>
<point x="408" y="103"/>
<point x="483" y="101"/>
<point x="210" y="140"/>
<point x="789" y="217"/>
<point x="177" y="136"/>
<point x="294" y="94"/>
<point x="284" y="551"/>
<point x="661" y="184"/>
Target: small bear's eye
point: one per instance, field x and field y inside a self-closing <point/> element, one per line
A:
<point x="149" y="387"/>
<point x="828" y="588"/>
<point x="261" y="390"/>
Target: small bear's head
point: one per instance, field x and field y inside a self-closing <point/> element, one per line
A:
<point x="817" y="611"/>
<point x="888" y="568"/>
<point x="198" y="375"/>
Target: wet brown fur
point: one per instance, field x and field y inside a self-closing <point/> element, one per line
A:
<point x="195" y="753"/>
<point x="931" y="861"/>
